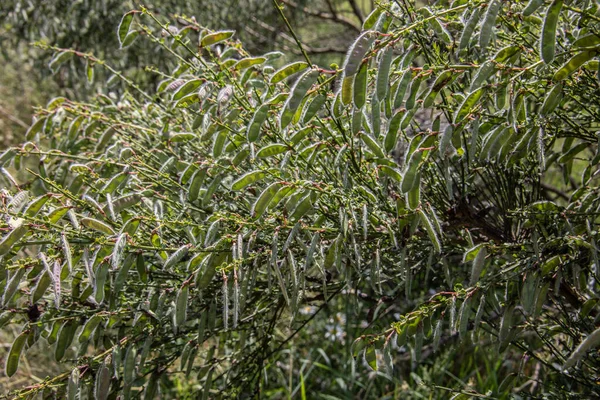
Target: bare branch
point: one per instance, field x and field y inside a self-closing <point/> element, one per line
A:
<point x="356" y="10"/>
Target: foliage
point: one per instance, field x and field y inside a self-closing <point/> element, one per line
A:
<point x="91" y="25"/>
<point x="434" y="214"/>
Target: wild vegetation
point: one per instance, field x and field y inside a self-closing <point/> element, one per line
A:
<point x="420" y="221"/>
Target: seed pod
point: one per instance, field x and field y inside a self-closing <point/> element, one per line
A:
<point x="478" y="263"/>
<point x="383" y="73"/>
<point x="12" y="361"/>
<point x="357" y="51"/>
<point x="97" y="225"/>
<point x="12" y="286"/>
<point x="102" y="385"/>
<point x="11" y="238"/>
<point x="437" y="334"/>
<point x="129" y="365"/>
<point x="505" y="327"/>
<point x="73" y="384"/>
<point x="176" y="257"/>
<point x="297" y="93"/>
<point x="360" y="86"/>
<point x="65" y="337"/>
<point x="467" y="33"/>
<point x="532" y="6"/>
<point x="248" y="179"/>
<point x="463" y="315"/>
<point x="548" y="37"/>
<point x="181" y="305"/>
<point x="573" y="64"/>
<point x="590" y="342"/>
<point x="489" y="21"/>
<point x="263" y="200"/>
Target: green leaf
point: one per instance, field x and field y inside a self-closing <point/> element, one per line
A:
<point x="287" y="71"/>
<point x="59" y="59"/>
<point x="259" y="117"/>
<point x="440" y="82"/>
<point x="89" y="328"/>
<point x="468" y="104"/>
<point x="372" y="19"/>
<point x="590" y="40"/>
<point x="371" y="357"/>
<point x="573" y="65"/>
<point x="248" y="179"/>
<point x="248" y="62"/>
<point x="272" y="150"/>
<point x="263" y="200"/>
<point x="187" y="88"/>
<point x="552" y="100"/>
<point x="124" y="27"/>
<point x="216" y="37"/>
<point x="548" y="38"/>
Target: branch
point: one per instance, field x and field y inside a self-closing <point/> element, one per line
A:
<point x="356" y="10"/>
<point x="323" y="15"/>
<point x="12" y="118"/>
<point x="554" y="190"/>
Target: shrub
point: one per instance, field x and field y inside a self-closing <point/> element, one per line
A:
<point x="434" y="213"/>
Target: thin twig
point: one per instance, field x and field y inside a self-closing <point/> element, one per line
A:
<point x="323" y="15"/>
<point x="287" y="23"/>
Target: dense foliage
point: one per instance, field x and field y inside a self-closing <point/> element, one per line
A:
<point x="419" y="222"/>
